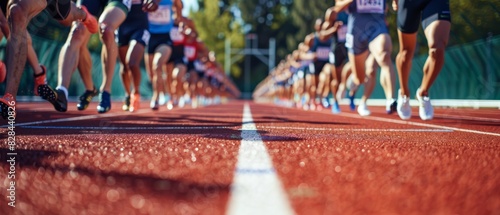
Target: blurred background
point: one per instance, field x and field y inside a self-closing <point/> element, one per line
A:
<point x="250" y="37"/>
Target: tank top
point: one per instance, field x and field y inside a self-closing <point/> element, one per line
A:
<point x="161" y="21"/>
<point x="322" y="48"/>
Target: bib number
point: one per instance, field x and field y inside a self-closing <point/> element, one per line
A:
<point x="161" y="16"/>
<point x="323" y="53"/>
<point x="341" y="33"/>
<point x="176" y="35"/>
<point x="190" y="52"/>
<point x="370" y="6"/>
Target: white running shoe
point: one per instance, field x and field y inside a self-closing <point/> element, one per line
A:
<point x="425" y="109"/>
<point x="363" y="110"/>
<point x="404" y="108"/>
<point x="161" y="99"/>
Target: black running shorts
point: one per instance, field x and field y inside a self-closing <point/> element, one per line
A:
<point x="410" y="12"/>
<point x="95" y="7"/>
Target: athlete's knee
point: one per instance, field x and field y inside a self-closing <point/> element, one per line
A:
<point x="405" y="54"/>
<point x="436" y="52"/>
<point x="134" y="65"/>
<point x="107" y="33"/>
<point x="18" y="15"/>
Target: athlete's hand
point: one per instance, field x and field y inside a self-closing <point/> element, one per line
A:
<point x="150" y="5"/>
<point x="337" y="25"/>
<point x="4" y="25"/>
<point x="395" y="5"/>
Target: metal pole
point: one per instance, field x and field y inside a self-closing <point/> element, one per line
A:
<point x="247" y="70"/>
<point x="272" y="53"/>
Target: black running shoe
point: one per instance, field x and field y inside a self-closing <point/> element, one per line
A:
<point x="392" y="107"/>
<point x="105" y="103"/>
<point x="56" y="97"/>
<point x="86" y="98"/>
<point x="126" y="103"/>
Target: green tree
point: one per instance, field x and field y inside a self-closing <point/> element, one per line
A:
<point x="215" y="24"/>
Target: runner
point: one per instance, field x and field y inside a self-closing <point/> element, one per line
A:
<point x="113" y="16"/>
<point x="367" y="33"/>
<point x="133" y="36"/>
<point x="436" y="22"/>
<point x="335" y="27"/>
<point x="19" y="15"/>
<point x="75" y="53"/>
<point x="160" y="47"/>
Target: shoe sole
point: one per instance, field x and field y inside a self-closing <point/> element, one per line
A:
<point x="50" y="95"/>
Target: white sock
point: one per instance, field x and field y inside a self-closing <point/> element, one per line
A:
<point x="63" y="89"/>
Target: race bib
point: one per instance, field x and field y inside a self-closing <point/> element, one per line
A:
<point x="323" y="53"/>
<point x="341" y="33"/>
<point x="161" y="16"/>
<point x="370" y="6"/>
<point x="190" y="52"/>
<point x="176" y="35"/>
<point x="127" y="3"/>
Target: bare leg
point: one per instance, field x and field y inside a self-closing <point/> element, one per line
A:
<point x="437" y="34"/>
<point x="75" y="53"/>
<point x="110" y="20"/>
<point x="407" y="43"/>
<point x="19" y="14"/>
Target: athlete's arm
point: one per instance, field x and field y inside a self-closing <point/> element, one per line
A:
<point x="309" y="43"/>
<point x="4" y="25"/>
<point x="330" y="26"/>
<point x="341" y="5"/>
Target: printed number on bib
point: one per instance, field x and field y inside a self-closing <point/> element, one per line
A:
<point x="176" y="35"/>
<point x="323" y="53"/>
<point x="190" y="52"/>
<point x="161" y="16"/>
<point x="370" y="6"/>
<point x="341" y="33"/>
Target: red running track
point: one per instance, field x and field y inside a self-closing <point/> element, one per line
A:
<point x="183" y="161"/>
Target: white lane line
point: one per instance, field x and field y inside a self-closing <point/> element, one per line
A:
<point x="462" y="117"/>
<point x="78" y="118"/>
<point x="398" y="121"/>
<point x="256" y="188"/>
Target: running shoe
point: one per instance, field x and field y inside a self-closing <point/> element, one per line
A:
<point x="391" y="106"/>
<point x="335" y="107"/>
<point x="403" y="107"/>
<point x="154" y="105"/>
<point x="105" y="103"/>
<point x="126" y="103"/>
<point x="325" y="102"/>
<point x="352" y="106"/>
<point x="363" y="110"/>
<point x="135" y="102"/>
<point x="3" y="72"/>
<point x="56" y="97"/>
<point x="425" y="109"/>
<point x="86" y="98"/>
<point x="90" y="21"/>
<point x="5" y="103"/>
<point x="40" y="79"/>
<point x="162" y="98"/>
